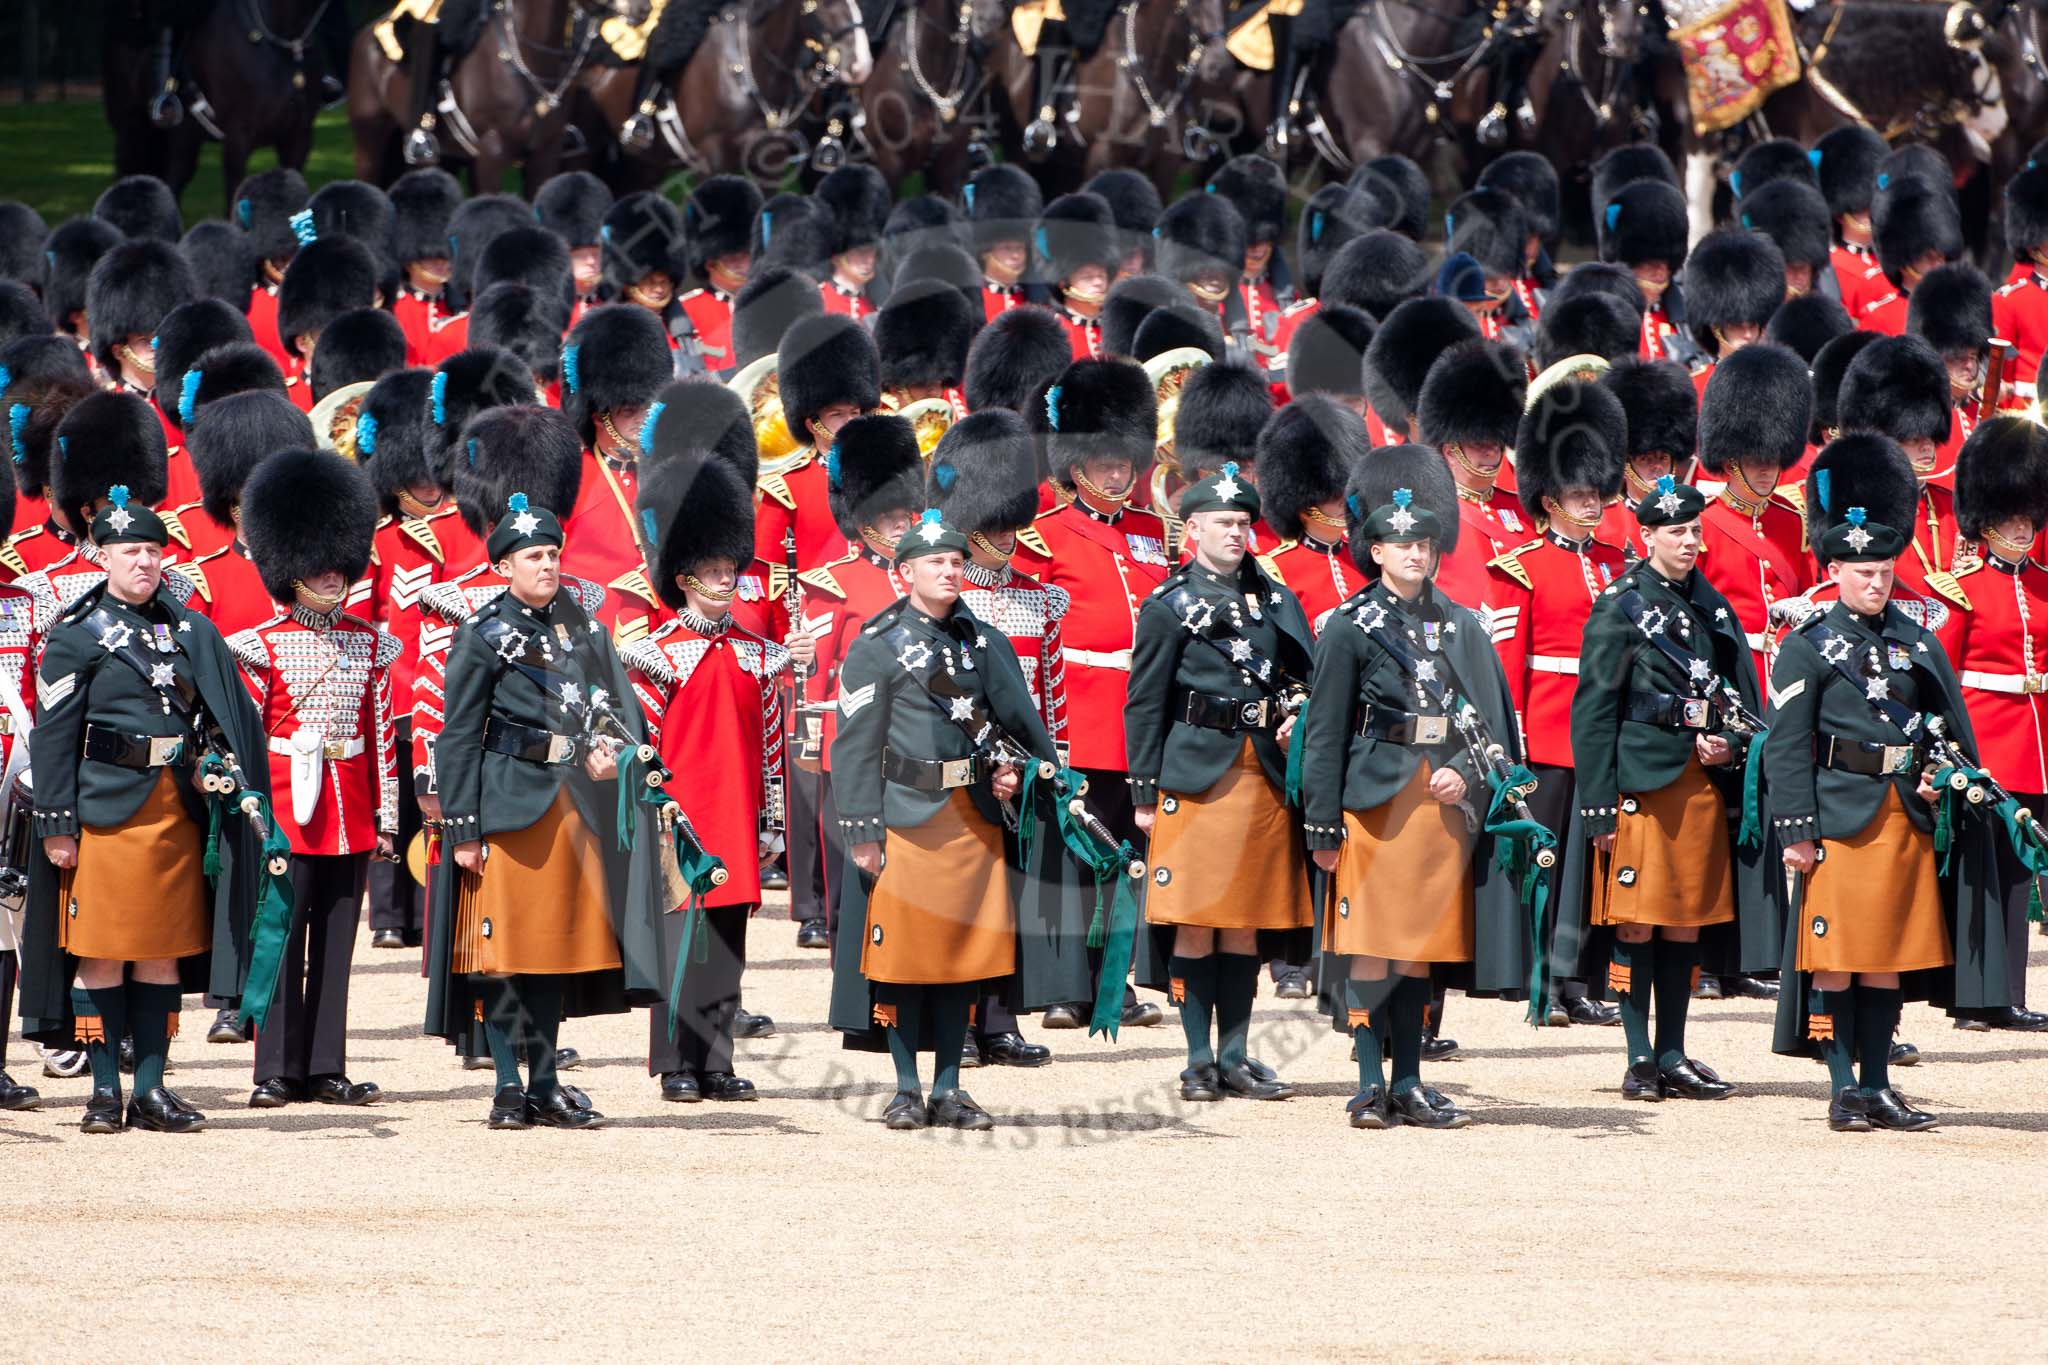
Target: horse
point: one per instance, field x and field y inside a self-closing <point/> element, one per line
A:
<point x="508" y="93"/>
<point x="247" y="78"/>
<point x="923" y="108"/>
<point x="742" y="104"/>
<point x="1584" y="94"/>
<point x="1403" y="76"/>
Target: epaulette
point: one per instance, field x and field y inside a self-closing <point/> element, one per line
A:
<point x="1509" y="562"/>
<point x="886" y="616"/>
<point x="11" y="557"/>
<point x="1269" y="560"/>
<point x="388" y="646"/>
<point x="248" y="646"/>
<point x="589" y="595"/>
<point x="1033" y="539"/>
<point x="823" y="577"/>
<point x="1058" y="601"/>
<point x="194" y="576"/>
<point x="175" y="526"/>
<point x="1924" y="612"/>
<point x="446" y="601"/>
<point x="423" y="535"/>
<point x="778" y="580"/>
<point x="1794" y="497"/>
<point x="645" y="656"/>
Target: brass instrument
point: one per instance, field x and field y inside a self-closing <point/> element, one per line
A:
<point x="334" y="418"/>
<point x="1169" y="371"/>
<point x="1999" y="356"/>
<point x="930" y="418"/>
<point x="758" y="386"/>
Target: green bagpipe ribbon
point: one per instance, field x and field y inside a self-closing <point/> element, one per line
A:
<point x="1752" y="831"/>
<point x="272" y="922"/>
<point x="1297" y="760"/>
<point x="1516" y="844"/>
<point x="2033" y="857"/>
<point x="1117" y="935"/>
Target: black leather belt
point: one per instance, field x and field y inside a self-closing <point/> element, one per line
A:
<point x="935" y="774"/>
<point x="1230" y="714"/>
<point x="1403" y="727"/>
<point x="1869" y="758"/>
<point x="1673" y="712"/>
<point x="103" y="744"/>
<point x="529" y="743"/>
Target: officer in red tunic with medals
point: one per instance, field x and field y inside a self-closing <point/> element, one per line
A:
<point x="322" y="682"/>
<point x="1076" y="238"/>
<point x="718" y="218"/>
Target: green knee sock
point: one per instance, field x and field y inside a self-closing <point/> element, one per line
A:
<point x="1411" y="999"/>
<point x="150" y="1007"/>
<point x="949" y="1006"/>
<point x="1370" y="998"/>
<point x="1197" y="978"/>
<point x="110" y="1004"/>
<point x="903" y="1034"/>
<point x="1630" y="976"/>
<point x="1237" y="985"/>
<point x="1877" y="1017"/>
<point x="1673" y="974"/>
<point x="541" y="1000"/>
<point x="1831" y="1021"/>
<point x="501" y="1026"/>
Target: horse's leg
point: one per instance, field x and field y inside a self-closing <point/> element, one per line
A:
<point x="234" y="160"/>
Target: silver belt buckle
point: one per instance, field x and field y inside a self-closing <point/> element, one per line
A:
<point x="1432" y="729"/>
<point x="164" y="751"/>
<point x="1252" y="713"/>
<point x="956" y="772"/>
<point x="1695" y="712"/>
<point x="561" y="748"/>
<point x="1898" y="758"/>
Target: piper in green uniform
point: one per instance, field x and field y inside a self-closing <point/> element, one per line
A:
<point x="1664" y="682"/>
<point x="1220" y="661"/>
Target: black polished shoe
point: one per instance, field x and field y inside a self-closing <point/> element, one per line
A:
<point x="680" y="1087"/>
<point x="1063" y="1016"/>
<point x="558" y="1110"/>
<point x="957" y="1109"/>
<point x="227" y="1027"/>
<point x="1688" y="1082"/>
<point x="1143" y="1014"/>
<point x="1555" y="1014"/>
<point x="102" y="1112"/>
<point x="745" y="1025"/>
<point x="1200" y="1083"/>
<point x="387" y="938"/>
<point x="1292" y="986"/>
<point x="508" y="1108"/>
<point x="723" y="1085"/>
<point x="15" y="1096"/>
<point x="1011" y="1049"/>
<point x="1597" y="1013"/>
<point x="567" y="1059"/>
<point x="905" y="1113"/>
<point x="1435" y="1049"/>
<point x="2014" y="1018"/>
<point x="1262" y="1071"/>
<point x="1412" y="1107"/>
<point x="1246" y="1084"/>
<point x="1643" y="1081"/>
<point x="275" y="1094"/>
<point x="1847" y="1111"/>
<point x="775" y="879"/>
<point x="342" y="1090"/>
<point x="1888" y="1109"/>
<point x="1369" y="1109"/>
<point x="1708" y="988"/>
<point x="1750" y="987"/>
<point x="970" y="1053"/>
<point x="812" y="933"/>
<point x="161" y="1111"/>
<point x="1905" y="1054"/>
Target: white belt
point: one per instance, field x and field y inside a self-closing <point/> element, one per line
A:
<point x="1090" y="658"/>
<point x="1553" y="663"/>
<point x="332" y="749"/>
<point x="2018" y="683"/>
<point x="1759" y="640"/>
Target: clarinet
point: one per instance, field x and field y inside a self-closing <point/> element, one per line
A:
<point x="805" y="737"/>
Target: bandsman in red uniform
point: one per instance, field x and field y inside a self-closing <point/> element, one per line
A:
<point x="1532" y="180"/>
<point x="462" y="386"/>
<point x="1918" y="228"/>
<point x="1897" y="387"/>
<point x="1334" y="216"/>
<point x="829" y="373"/>
<point x="1000" y="204"/>
<point x="20" y="645"/>
<point x="265" y="204"/>
<point x="644" y="259"/>
<point x="1644" y="228"/>
<point x="423" y="203"/>
<point x="132" y="289"/>
<point x="1305" y="452"/>
<point x="358" y="348"/>
<point x="44" y="376"/>
<point x="322" y="683"/>
<point x="1326" y="355"/>
<point x="235" y="436"/>
<point x="1951" y="311"/>
<point x="573" y="206"/>
<point x="1257" y="189"/>
<point x="1662" y="408"/>
<point x="69" y="254"/>
<point x="1134" y="200"/>
<point x="1076" y="239"/>
<point x="718" y="218"/>
<point x="1846" y="161"/>
<point x="329" y="277"/>
<point x="1734" y="281"/>
<point x="477" y="222"/>
<point x="187" y="337"/>
<point x="857" y="201"/>
<point x="2020" y="310"/>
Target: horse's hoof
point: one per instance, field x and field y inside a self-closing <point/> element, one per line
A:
<point x="421" y="149"/>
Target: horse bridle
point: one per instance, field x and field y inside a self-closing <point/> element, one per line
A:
<point x="947" y="103"/>
<point x="548" y="98"/>
<point x="1156" y="113"/>
<point x="1930" y="118"/>
<point x="1437" y="92"/>
<point x="1601" y="109"/>
<point x="260" y="32"/>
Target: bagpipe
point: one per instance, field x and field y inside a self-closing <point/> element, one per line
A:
<point x="1961" y="784"/>
<point x="229" y="793"/>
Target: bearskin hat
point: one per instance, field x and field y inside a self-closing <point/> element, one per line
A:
<point x="305" y="513"/>
<point x="141" y="206"/>
<point x="1861" y="469"/>
<point x="918" y="221"/>
<point x="1574" y="435"/>
<point x="1223" y="408"/>
<point x="327" y="278"/>
<point x="2026" y="210"/>
<point x="1134" y="203"/>
<point x="796" y="232"/>
<point x="857" y="199"/>
<point x="874" y="467"/>
<point x="185" y="334"/>
<point x="1758" y="405"/>
<point x="235" y="435"/>
<point x="1200" y="234"/>
<point x="1404" y="348"/>
<point x="223" y="263"/>
<point x="40" y="357"/>
<point x="1919" y="218"/>
<point x="1175" y="326"/>
<point x="1257" y="189"/>
<point x="1419" y="469"/>
<point x="1807" y="322"/>
<point x="1645" y="221"/>
<point x="41" y="377"/>
<point x="392" y="435"/>
<point x="943" y="263"/>
<point x="1764" y="163"/>
<point x="1590" y="324"/>
<point x="573" y="206"/>
<point x="1001" y="203"/>
<point x="1599" y="277"/>
<point x="773" y="300"/>
<point x="1378" y="272"/>
<point x="238" y="367"/>
<point x="616" y="357"/>
<point x="423" y="204"/>
<point x="694" y="509"/>
<point x="1327" y="354"/>
<point x="1334" y="217"/>
<point x="1731" y="277"/>
<point x="1830" y="363"/>
<point x="1472" y="394"/>
<point x="527" y="255"/>
<point x="1911" y="162"/>
<point x="1130" y="300"/>
<point x="1532" y="180"/>
<point x="1076" y="230"/>
<point x="826" y="360"/>
<point x="922" y="335"/>
<point x="1897" y="386"/>
<point x="1627" y="164"/>
<point x="1951" y="308"/>
<point x="22" y="231"/>
<point x="1013" y="357"/>
<point x="104" y="439"/>
<point x="1096" y="408"/>
<point x="701" y="415"/>
<point x="71" y="252"/>
<point x="475" y="223"/>
<point x="351" y="208"/>
<point x="1410" y="182"/>
<point x="522" y="320"/>
<point x="1490" y="226"/>
<point x="132" y="289"/>
<point x="506" y="450"/>
<point x="2002" y="471"/>
<point x="361" y="345"/>
<point x="718" y="219"/>
<point x="1793" y="215"/>
<point x="642" y="233"/>
<point x="470" y="382"/>
<point x="1661" y="406"/>
<point x="1306" y="451"/>
<point x="1845" y="162"/>
<point x="265" y="204"/>
<point x="984" y="474"/>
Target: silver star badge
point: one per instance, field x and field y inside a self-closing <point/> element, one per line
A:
<point x="1403" y="520"/>
<point x="525" y="523"/>
<point x="120" y="518"/>
<point x="1720" y="613"/>
<point x="963" y="708"/>
<point x="569" y="696"/>
<point x="1226" y="487"/>
<point x="163" y="675"/>
<point x="184" y="627"/>
<point x="1700" y="670"/>
<point x="1425" y="670"/>
<point x="1858" y="538"/>
<point x="930" y="532"/>
<point x="1240" y="650"/>
<point x="1877" y="689"/>
<point x="1668" y="504"/>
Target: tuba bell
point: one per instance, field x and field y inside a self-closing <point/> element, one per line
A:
<point x="758" y="388"/>
<point x="1169" y="371"/>
<point x="930" y="418"/>
<point x="334" y="419"/>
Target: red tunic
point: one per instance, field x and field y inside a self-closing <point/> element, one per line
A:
<point x="1531" y="295"/>
<point x="20" y="643"/>
<point x="1852" y="266"/>
<point x="227" y="590"/>
<point x="35" y="548"/>
<point x="601" y="542"/>
<point x="710" y="314"/>
<point x="1262" y="318"/>
<point x="845" y="594"/>
<point x="760" y="601"/>
<point x="715" y="715"/>
<point x="1884" y="310"/>
<point x="1539" y="632"/>
<point x="1028" y="613"/>
<point x="1926" y="564"/>
<point x="2000" y="651"/>
<point x="408" y="556"/>
<point x="1320" y="575"/>
<point x="1655" y="342"/>
<point x="1755" y="562"/>
<point x="324" y="691"/>
<point x="1108" y="566"/>
<point x="297" y="387"/>
<point x="1084" y="335"/>
<point x="2019" y="314"/>
<point x="791" y="494"/>
<point x="446" y="337"/>
<point x="843" y="302"/>
<point x="418" y="314"/>
<point x="263" y="322"/>
<point x="1486" y="530"/>
<point x="1291" y="318"/>
<point x="999" y="298"/>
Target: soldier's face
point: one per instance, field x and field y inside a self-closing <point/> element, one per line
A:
<point x="1133" y="264"/>
<point x="1114" y="475"/>
<point x="1005" y="261"/>
<point x="134" y="568"/>
<point x="1673" y="549"/>
<point x="653" y="290"/>
<point x="1257" y="257"/>
<point x="1211" y="287"/>
<point x="1581" y="507"/>
<point x="830" y="418"/>
<point x="2016" y="531"/>
<point x="1087" y="285"/>
<point x="1219" y="538"/>
<point x="1652" y="277"/>
<point x="587" y="263"/>
<point x="1798" y="278"/>
<point x="1855" y="228"/>
<point x="323" y="591"/>
<point x="428" y="274"/>
<point x="711" y="592"/>
<point x="1736" y="335"/>
<point x="1965" y="371"/>
<point x="856" y="266"/>
<point x="891" y="525"/>
<point x="627" y="422"/>
<point x="730" y="271"/>
<point x="1921" y="450"/>
<point x="1865" y="586"/>
<point x="533" y="573"/>
<point x="1406" y="565"/>
<point x="933" y="581"/>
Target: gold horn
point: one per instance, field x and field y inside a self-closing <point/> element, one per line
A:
<point x="1169" y="371"/>
<point x="757" y="386"/>
<point x="1584" y="366"/>
<point x="416" y="858"/>
<point x="930" y="418"/>
<point x="334" y="418"/>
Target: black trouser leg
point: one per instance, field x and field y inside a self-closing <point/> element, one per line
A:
<point x="10" y="965"/>
<point x="423" y="68"/>
<point x="397" y="901"/>
<point x="806" y="847"/>
<point x="1282" y="28"/>
<point x="1054" y="46"/>
<point x="306" y="1034"/>
<point x="1109" y="797"/>
<point x="702" y="1038"/>
<point x="992" y="1012"/>
<point x="2017" y="886"/>
<point x="833" y="855"/>
<point x="1551" y="804"/>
